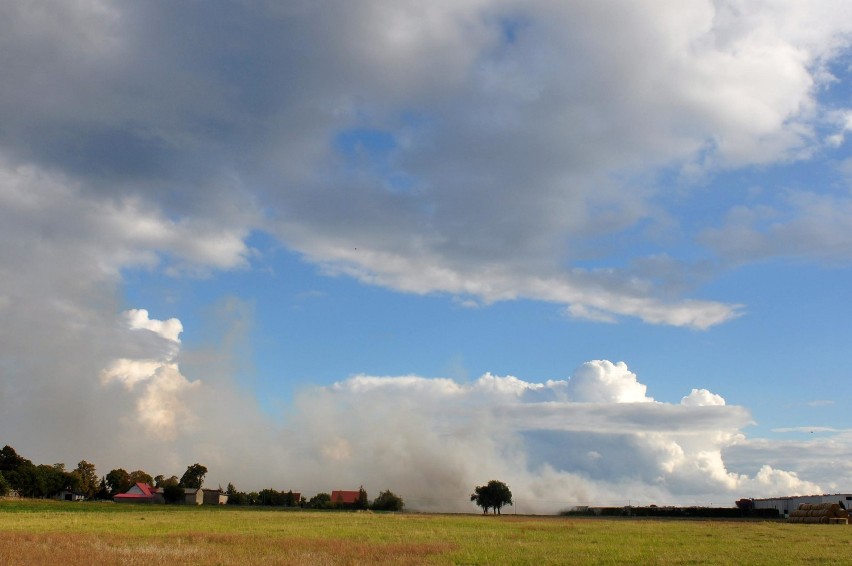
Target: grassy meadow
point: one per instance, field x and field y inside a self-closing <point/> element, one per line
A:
<point x="47" y="532"/>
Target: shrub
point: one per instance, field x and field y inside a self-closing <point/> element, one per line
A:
<point x="388" y="501"/>
<point x="173" y="493"/>
<point x="320" y="501"/>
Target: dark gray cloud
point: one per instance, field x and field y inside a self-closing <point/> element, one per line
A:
<point x="516" y="136"/>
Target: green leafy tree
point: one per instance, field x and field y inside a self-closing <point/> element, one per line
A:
<point x="28" y="481"/>
<point x="235" y="497"/>
<point x="4" y="486"/>
<point x="103" y="490"/>
<point x="290" y="499"/>
<point x="320" y="501"/>
<point x="362" y="502"/>
<point x="12" y="465"/>
<point x="271" y="497"/>
<point x="118" y="481"/>
<point x="494" y="495"/>
<point x="388" y="501"/>
<point x="41" y="481"/>
<point x="173" y="492"/>
<point x="69" y="480"/>
<point x="138" y="476"/>
<point x="10" y="460"/>
<point x="86" y="478"/>
<point x="193" y="477"/>
<point x="54" y="479"/>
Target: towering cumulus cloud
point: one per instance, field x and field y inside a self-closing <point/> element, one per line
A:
<point x="157" y="382"/>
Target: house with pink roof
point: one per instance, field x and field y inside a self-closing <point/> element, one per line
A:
<point x="140" y="493"/>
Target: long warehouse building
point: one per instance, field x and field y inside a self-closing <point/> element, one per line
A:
<point x="791" y="503"/>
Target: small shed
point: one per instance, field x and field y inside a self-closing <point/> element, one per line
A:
<point x="214" y="497"/>
<point x="67" y="495"/>
<point x="193" y="496"/>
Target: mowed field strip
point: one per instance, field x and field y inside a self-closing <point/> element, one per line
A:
<point x="46" y="532"/>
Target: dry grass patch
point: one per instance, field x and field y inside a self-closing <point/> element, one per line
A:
<point x="32" y="549"/>
<point x="84" y="550"/>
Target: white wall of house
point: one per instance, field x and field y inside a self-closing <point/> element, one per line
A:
<point x="193" y="496"/>
<point x="66" y="495"/>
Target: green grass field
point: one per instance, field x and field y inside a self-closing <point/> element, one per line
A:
<point x="46" y="532"/>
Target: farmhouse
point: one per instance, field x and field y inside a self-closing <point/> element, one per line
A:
<point x="140" y="493"/>
<point x="786" y="505"/>
<point x="342" y="497"/>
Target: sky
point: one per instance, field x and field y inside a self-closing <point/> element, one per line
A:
<point x="598" y="251"/>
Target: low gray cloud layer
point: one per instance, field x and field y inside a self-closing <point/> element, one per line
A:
<point x="495" y="142"/>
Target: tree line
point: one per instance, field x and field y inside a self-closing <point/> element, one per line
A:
<point x="19" y="474"/>
<point x="386" y="501"/>
<point x="40" y="481"/>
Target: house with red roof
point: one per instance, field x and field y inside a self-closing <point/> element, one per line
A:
<point x="344" y="498"/>
<point x="140" y="493"/>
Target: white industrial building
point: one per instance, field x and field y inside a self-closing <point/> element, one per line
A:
<point x="791" y="503"/>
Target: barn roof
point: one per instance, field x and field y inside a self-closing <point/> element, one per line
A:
<point x="343" y="496"/>
<point x="139" y="491"/>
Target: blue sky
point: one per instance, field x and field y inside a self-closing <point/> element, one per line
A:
<point x="599" y="254"/>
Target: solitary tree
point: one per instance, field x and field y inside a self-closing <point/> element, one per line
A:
<point x="494" y="495"/>
<point x="193" y="476"/>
